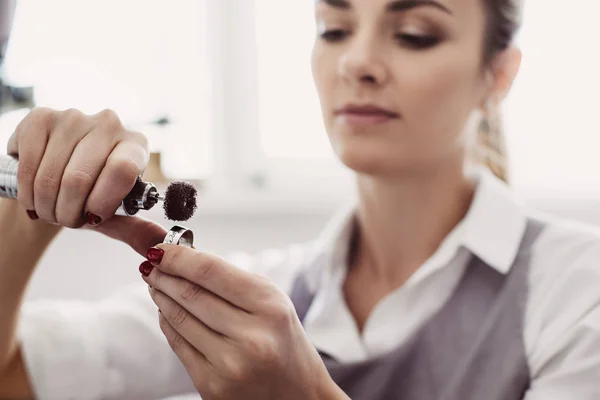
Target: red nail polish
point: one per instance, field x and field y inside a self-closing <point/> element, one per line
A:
<point x="32" y="214"/>
<point x="92" y="219"/>
<point x="146" y="267"/>
<point x="155" y="255"/>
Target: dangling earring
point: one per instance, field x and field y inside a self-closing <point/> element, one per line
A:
<point x="490" y="142"/>
<point x="484" y="135"/>
<point x="484" y="125"/>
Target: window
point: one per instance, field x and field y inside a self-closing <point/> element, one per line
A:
<point x="292" y="137"/>
<point x="146" y="59"/>
<point x="287" y="96"/>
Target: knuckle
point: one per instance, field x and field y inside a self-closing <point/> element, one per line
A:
<point x="42" y="115"/>
<point x="217" y="389"/>
<point x="125" y="169"/>
<point x="109" y="119"/>
<point x="77" y="181"/>
<point x="123" y="172"/>
<point x="235" y="368"/>
<point x="68" y="221"/>
<point x="101" y="205"/>
<point x="46" y="185"/>
<point x="108" y="114"/>
<point x="191" y="292"/>
<point x="37" y="123"/>
<point x="263" y="348"/>
<point x="206" y="268"/>
<point x="72" y="116"/>
<point x="174" y="339"/>
<point x="140" y="138"/>
<point x="13" y="140"/>
<point x="70" y="120"/>
<point x="281" y="311"/>
<point x="171" y="260"/>
<point x="157" y="281"/>
<point x="176" y="342"/>
<point x="163" y="323"/>
<point x="180" y="316"/>
<point x="26" y="172"/>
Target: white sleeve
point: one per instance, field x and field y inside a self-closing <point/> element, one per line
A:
<point x="114" y="348"/>
<point x="564" y="329"/>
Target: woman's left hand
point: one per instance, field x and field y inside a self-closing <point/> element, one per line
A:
<point x="237" y="335"/>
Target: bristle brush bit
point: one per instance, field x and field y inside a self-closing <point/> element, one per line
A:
<point x="180" y="201"/>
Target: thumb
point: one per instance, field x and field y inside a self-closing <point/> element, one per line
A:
<point x="140" y="234"/>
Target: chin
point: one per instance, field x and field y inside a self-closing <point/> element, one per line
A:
<point x="371" y="159"/>
<point x="389" y="154"/>
<point x="376" y="151"/>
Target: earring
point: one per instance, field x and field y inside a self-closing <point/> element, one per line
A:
<point x="485" y="124"/>
<point x="488" y="132"/>
<point x="490" y="140"/>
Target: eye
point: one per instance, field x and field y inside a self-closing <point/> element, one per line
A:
<point x="418" y="42"/>
<point x="334" y="35"/>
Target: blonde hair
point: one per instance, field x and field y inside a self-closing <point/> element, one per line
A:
<point x="490" y="146"/>
<point x="504" y="21"/>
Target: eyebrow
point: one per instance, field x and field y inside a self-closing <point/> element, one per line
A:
<point x="393" y="6"/>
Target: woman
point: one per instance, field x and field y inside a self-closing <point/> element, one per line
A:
<point x="437" y="284"/>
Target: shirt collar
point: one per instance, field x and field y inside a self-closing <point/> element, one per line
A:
<point x="331" y="246"/>
<point x="495" y="222"/>
<point x="492" y="230"/>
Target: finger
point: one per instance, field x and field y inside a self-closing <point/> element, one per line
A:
<point x="127" y="161"/>
<point x="194" y="362"/>
<point x="140" y="234"/>
<point x="219" y="315"/>
<point x="70" y="129"/>
<point x="12" y="146"/>
<point x="29" y="143"/>
<point x="206" y="341"/>
<point x="238" y="287"/>
<point x="80" y="175"/>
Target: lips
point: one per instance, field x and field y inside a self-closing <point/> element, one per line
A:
<point x="367" y="110"/>
<point x="367" y="114"/>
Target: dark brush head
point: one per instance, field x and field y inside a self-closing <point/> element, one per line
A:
<point x="180" y="201"/>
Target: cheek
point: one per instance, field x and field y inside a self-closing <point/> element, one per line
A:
<point x="437" y="95"/>
<point x="324" y="66"/>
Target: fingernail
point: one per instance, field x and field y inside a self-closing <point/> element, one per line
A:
<point x="92" y="219"/>
<point x="32" y="214"/>
<point x="146" y="267"/>
<point x="155" y="255"/>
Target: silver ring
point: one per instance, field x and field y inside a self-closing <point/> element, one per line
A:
<point x="180" y="236"/>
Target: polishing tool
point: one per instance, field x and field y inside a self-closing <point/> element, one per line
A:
<point x="179" y="199"/>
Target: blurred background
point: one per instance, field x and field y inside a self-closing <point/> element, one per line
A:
<point x="216" y="85"/>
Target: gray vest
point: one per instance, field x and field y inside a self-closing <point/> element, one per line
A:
<point x="471" y="349"/>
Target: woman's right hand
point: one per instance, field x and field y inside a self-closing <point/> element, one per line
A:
<point x="75" y="168"/>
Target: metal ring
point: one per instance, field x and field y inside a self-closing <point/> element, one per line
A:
<point x="180" y="236"/>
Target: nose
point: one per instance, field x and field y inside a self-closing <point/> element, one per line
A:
<point x="361" y="63"/>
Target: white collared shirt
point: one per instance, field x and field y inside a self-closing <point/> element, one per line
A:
<point x="115" y="349"/>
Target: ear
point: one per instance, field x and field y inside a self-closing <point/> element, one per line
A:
<point x="503" y="71"/>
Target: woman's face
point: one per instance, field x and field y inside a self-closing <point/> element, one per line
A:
<point x="398" y="80"/>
